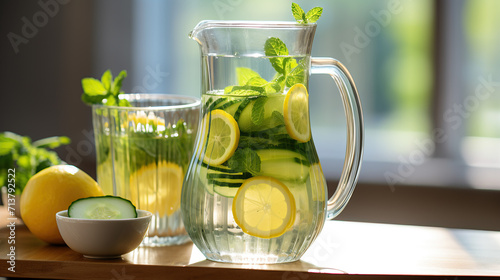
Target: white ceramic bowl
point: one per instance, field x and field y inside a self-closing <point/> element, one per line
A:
<point x="103" y="238"/>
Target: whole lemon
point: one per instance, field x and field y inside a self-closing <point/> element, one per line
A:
<point x="50" y="191"/>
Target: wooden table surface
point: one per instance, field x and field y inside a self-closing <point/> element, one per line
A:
<point x="350" y="250"/>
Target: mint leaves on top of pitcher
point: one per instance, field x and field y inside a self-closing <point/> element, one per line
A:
<point x="105" y="91"/>
<point x="309" y="17"/>
<point x="288" y="71"/>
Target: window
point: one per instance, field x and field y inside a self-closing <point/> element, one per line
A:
<point x="417" y="65"/>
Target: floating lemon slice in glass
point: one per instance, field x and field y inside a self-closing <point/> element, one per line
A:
<point x="264" y="207"/>
<point x="157" y="188"/>
<point x="223" y="136"/>
<point x="296" y="113"/>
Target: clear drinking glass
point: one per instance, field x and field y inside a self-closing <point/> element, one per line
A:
<point x="265" y="200"/>
<point x="143" y="153"/>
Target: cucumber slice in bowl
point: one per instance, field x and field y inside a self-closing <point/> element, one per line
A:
<point x="102" y="208"/>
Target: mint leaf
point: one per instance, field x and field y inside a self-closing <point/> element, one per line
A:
<point x="272" y="87"/>
<point x="245" y="160"/>
<point x="112" y="101"/>
<point x="245" y="74"/>
<point x="257" y="116"/>
<point x="106" y="79"/>
<point x="93" y="91"/>
<point x="92" y="99"/>
<point x="228" y="89"/>
<point x="245" y="90"/>
<point x="6" y="145"/>
<point x="256" y="81"/>
<point x="314" y="14"/>
<point x="93" y="86"/>
<point x="278" y="118"/>
<point x="289" y="63"/>
<point x="117" y="83"/>
<point x="124" y="103"/>
<point x="280" y="81"/>
<point x="297" y="75"/>
<point x="274" y="47"/>
<point x="107" y="89"/>
<point x="298" y="13"/>
<point x="27" y="158"/>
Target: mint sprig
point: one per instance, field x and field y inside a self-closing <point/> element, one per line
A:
<point x="26" y="157"/>
<point x="277" y="49"/>
<point x="289" y="72"/>
<point x="106" y="91"/>
<point x="304" y="18"/>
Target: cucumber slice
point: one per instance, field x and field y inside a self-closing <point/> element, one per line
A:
<point x="285" y="170"/>
<point x="275" y="154"/>
<point x="229" y="103"/>
<point x="102" y="208"/>
<point x="215" y="177"/>
<point x="283" y="164"/>
<point x="244" y="104"/>
<point x="229" y="192"/>
<point x="215" y="104"/>
<point x="203" y="178"/>
<point x="274" y="103"/>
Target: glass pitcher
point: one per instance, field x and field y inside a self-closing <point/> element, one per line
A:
<point x="254" y="191"/>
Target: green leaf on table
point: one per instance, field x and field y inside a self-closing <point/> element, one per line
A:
<point x="7" y="145"/>
<point x="245" y="160"/>
<point x="298" y="13"/>
<point x="257" y="116"/>
<point x="24" y="161"/>
<point x="314" y="14"/>
<point x="27" y="158"/>
<point x="52" y="142"/>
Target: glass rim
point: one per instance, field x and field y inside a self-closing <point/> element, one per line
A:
<point x="193" y="102"/>
<point x="249" y="24"/>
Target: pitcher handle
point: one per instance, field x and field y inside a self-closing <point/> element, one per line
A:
<point x="355" y="133"/>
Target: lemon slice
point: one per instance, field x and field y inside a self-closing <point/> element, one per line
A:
<point x="264" y="207"/>
<point x="145" y="119"/>
<point x="296" y="113"/>
<point x="223" y="136"/>
<point x="157" y="188"/>
<point x="318" y="183"/>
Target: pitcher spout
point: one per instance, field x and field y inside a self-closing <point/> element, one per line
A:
<point x="197" y="31"/>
